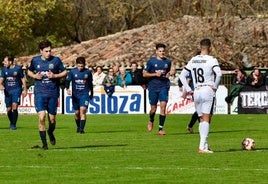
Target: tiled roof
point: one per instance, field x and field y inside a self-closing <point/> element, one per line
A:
<point x="236" y="43"/>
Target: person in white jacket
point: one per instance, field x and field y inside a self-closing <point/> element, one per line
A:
<point x="98" y="76"/>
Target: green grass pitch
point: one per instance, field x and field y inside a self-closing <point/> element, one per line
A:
<point x="118" y="149"/>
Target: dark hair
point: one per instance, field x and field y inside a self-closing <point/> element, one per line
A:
<point x="45" y="43"/>
<point x="10" y="58"/>
<point x="81" y="60"/>
<point x="205" y="42"/>
<point x="134" y="62"/>
<point x="160" y="45"/>
<point x="99" y="67"/>
<point x="243" y="72"/>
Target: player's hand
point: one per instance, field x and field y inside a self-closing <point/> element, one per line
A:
<point x="235" y="71"/>
<point x="168" y="75"/>
<point x="184" y="94"/>
<point x="158" y="73"/>
<point x="190" y="92"/>
<point x="213" y="88"/>
<point x="24" y="92"/>
<point x="51" y="74"/>
<point x="38" y="76"/>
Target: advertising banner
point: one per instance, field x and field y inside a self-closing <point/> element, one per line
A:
<point x="253" y="100"/>
<point x="2" y="102"/>
<point x="129" y="100"/>
<point x="221" y="105"/>
<point x="178" y="105"/>
<point x="234" y="107"/>
<point x="27" y="103"/>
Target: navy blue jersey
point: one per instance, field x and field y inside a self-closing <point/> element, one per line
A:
<point x="46" y="87"/>
<point x="12" y="79"/>
<point x="154" y="65"/>
<point x="81" y="81"/>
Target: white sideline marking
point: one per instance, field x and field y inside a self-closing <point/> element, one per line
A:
<point x="193" y="168"/>
<point x="136" y="168"/>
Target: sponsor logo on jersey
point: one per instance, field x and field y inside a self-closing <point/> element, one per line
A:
<point x="51" y="66"/>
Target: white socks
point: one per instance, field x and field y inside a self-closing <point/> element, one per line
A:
<point x="203" y="132"/>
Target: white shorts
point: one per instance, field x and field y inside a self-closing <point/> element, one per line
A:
<point x="204" y="100"/>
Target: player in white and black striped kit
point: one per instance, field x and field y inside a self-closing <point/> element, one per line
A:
<point x="206" y="75"/>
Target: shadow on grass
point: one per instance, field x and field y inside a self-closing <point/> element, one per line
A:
<point x="231" y="131"/>
<point x="4" y="128"/>
<point x="240" y="150"/>
<point x="37" y="147"/>
<point x="93" y="146"/>
<point x="113" y="131"/>
<point x="95" y="130"/>
<point x="182" y="133"/>
<point x="212" y="132"/>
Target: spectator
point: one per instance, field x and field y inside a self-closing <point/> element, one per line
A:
<point x="256" y="78"/>
<point x="266" y="80"/>
<point x="98" y="76"/>
<point x="137" y="77"/>
<point x="238" y="82"/>
<point x="116" y="69"/>
<point x="123" y="78"/>
<point x="109" y="82"/>
<point x="173" y="76"/>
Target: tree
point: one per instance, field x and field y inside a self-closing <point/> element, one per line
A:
<point x="23" y="23"/>
<point x="16" y="20"/>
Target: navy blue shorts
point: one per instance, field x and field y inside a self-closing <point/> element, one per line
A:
<point x="81" y="101"/>
<point x="12" y="98"/>
<point x="49" y="104"/>
<point x="155" y="96"/>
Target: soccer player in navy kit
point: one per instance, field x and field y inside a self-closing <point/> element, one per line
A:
<point x="46" y="70"/>
<point x="13" y="82"/>
<point x="157" y="71"/>
<point x="81" y="79"/>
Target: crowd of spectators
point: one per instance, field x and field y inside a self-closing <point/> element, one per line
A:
<point x="254" y="79"/>
<point x="118" y="75"/>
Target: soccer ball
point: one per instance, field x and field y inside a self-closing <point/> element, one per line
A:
<point x="248" y="144"/>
